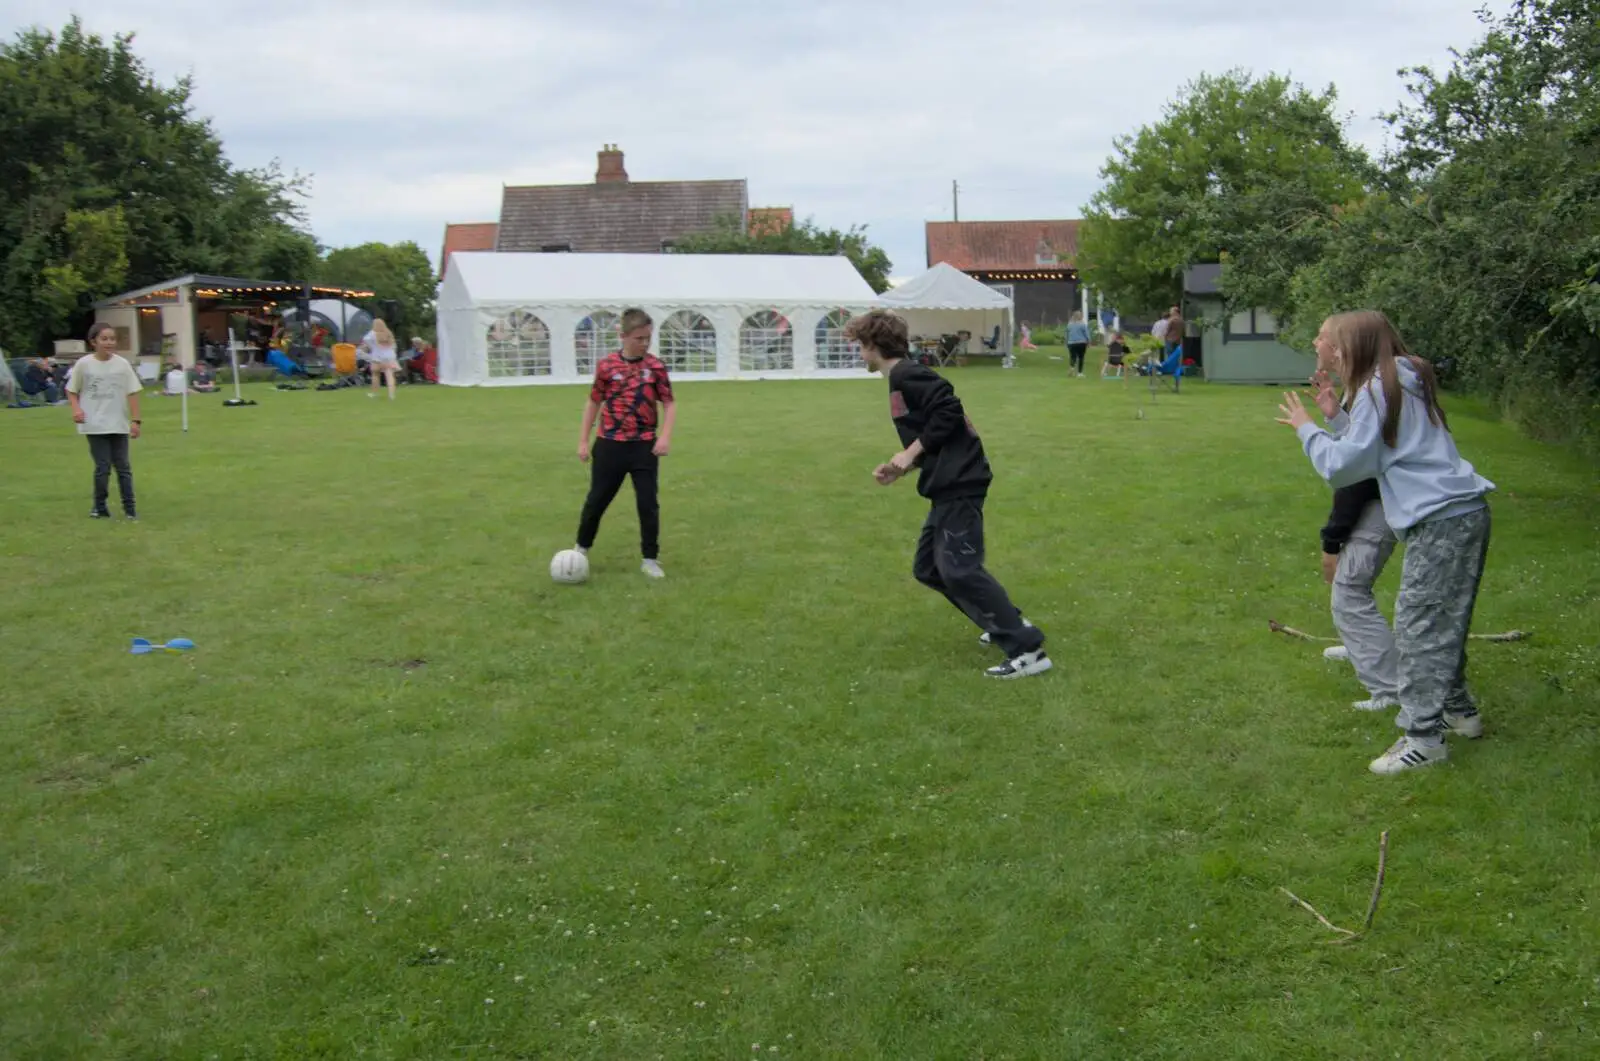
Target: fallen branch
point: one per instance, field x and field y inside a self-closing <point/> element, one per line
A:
<point x="1279" y="628"/>
<point x="1377" y="885"/>
<point x="1346" y="935"/>
<point x="1314" y="913"/>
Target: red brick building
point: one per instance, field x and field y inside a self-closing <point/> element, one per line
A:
<point x="1032" y="261"/>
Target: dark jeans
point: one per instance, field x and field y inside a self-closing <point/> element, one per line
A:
<point x="1077" y="350"/>
<point x="111" y="451"/>
<point x="610" y="463"/>
<point x="950" y="560"/>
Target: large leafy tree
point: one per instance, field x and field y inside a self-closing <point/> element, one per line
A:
<point x="107" y="179"/>
<point x="728" y="236"/>
<point x="1484" y="243"/>
<point x="398" y="272"/>
<point x="1238" y="169"/>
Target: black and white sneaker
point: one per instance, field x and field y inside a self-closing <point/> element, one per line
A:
<point x="1023" y="666"/>
<point x="99" y="513"/>
<point x="986" y="639"/>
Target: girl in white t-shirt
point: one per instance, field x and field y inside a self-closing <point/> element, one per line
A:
<point x="381" y="356"/>
<point x="104" y="391"/>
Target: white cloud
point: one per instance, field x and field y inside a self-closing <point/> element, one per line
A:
<point x="412" y="114"/>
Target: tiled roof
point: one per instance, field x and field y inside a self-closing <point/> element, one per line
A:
<point x="773" y="219"/>
<point x="980" y="246"/>
<point x="471" y="236"/>
<point x="616" y="217"/>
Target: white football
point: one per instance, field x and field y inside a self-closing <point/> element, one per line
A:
<point x="569" y="566"/>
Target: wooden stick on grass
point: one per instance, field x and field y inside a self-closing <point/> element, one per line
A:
<point x="1279" y="628"/>
<point x="1346" y="935"/>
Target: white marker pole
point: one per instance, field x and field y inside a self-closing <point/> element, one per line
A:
<point x="233" y="359"/>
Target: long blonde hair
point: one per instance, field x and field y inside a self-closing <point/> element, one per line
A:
<point x="381" y="332"/>
<point x="1369" y="344"/>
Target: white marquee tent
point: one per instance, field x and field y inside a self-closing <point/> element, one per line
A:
<point x="945" y="300"/>
<point x="518" y="318"/>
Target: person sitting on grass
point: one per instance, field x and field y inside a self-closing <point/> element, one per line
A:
<point x="38" y="382"/>
<point x="204" y="382"/>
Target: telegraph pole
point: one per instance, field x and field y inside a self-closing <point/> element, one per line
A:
<point x="955" y="200"/>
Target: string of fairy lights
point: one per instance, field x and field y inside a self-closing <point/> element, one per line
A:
<point x="269" y="295"/>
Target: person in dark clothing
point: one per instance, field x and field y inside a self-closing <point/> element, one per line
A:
<point x="38" y="381"/>
<point x="939" y="439"/>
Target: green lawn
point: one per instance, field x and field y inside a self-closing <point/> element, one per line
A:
<point x="409" y="799"/>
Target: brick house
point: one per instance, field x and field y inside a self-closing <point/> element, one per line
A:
<point x="612" y="215"/>
<point x="1032" y="261"/>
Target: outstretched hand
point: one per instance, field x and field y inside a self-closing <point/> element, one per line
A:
<point x="1322" y="390"/>
<point x="1294" y="413"/>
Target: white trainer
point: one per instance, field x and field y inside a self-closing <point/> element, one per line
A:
<point x="1023" y="666"/>
<point x="1468" y="726"/>
<point x="653" y="569"/>
<point x="1336" y="653"/>
<point x="1409" y="754"/>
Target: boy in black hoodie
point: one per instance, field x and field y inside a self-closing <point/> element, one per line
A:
<point x="955" y="477"/>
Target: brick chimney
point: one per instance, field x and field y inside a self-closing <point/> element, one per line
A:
<point x="610" y="170"/>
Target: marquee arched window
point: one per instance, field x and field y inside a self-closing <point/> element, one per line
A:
<point x="597" y="335"/>
<point x="833" y="349"/>
<point x="766" y="342"/>
<point x="688" y="342"/>
<point x="519" y="345"/>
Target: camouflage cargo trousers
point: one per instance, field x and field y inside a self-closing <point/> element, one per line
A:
<point x="1432" y="615"/>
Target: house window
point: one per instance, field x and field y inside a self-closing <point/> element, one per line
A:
<point x="519" y="345"/>
<point x="557" y="248"/>
<point x="688" y="342"/>
<point x="598" y="334"/>
<point x="1250" y="325"/>
<point x="833" y="349"/>
<point x="766" y="342"/>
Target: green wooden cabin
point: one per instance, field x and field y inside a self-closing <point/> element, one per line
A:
<point x="1241" y="347"/>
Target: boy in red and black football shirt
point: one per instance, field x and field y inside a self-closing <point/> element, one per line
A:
<point x="939" y="439"/>
<point x="628" y="385"/>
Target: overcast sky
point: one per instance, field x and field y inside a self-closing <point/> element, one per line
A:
<point x="408" y="114"/>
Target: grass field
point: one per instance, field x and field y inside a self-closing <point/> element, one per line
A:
<point x="409" y="799"/>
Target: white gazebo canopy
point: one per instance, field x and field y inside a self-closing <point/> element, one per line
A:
<point x="517" y="318"/>
<point x="945" y="300"/>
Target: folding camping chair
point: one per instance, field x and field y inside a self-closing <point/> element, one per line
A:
<point x="346" y="371"/>
<point x="1170" y="370"/>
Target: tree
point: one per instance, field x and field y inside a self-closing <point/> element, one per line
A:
<point x="1483" y="244"/>
<point x="96" y="260"/>
<point x="728" y="236"/>
<point x="90" y="137"/>
<point x="397" y="272"/>
<point x="1238" y="170"/>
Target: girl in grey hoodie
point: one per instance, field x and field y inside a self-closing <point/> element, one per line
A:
<point x="1389" y="427"/>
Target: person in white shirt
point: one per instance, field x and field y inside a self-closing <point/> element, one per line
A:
<point x="177" y="381"/>
<point x="1390" y="427"/>
<point x="381" y="355"/>
<point x="104" y="391"/>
